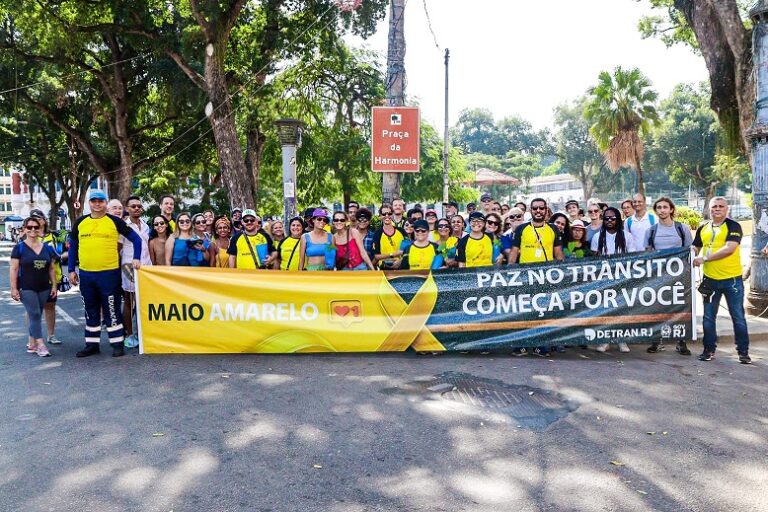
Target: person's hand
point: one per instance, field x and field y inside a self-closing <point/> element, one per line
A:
<point x="765" y="250"/>
<point x="15" y="294"/>
<point x="698" y="261"/>
<point x="73" y="279"/>
<point x="54" y="292"/>
<point x="136" y="264"/>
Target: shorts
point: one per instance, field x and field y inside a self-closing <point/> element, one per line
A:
<point x="361" y="266"/>
<point x="319" y="266"/>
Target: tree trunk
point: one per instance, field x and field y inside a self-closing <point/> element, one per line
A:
<point x="395" y="84"/>
<point x="708" y="195"/>
<point x="726" y="47"/>
<point x="254" y="151"/>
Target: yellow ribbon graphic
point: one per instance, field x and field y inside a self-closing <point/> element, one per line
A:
<point x="409" y="320"/>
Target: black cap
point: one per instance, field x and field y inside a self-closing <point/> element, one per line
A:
<point x="452" y="203"/>
<point x="37" y="213"/>
<point x="476" y="215"/>
<point x="421" y="224"/>
<point x="363" y="213"/>
<point x="471" y="205"/>
<point x="486" y="197"/>
<point x="309" y="211"/>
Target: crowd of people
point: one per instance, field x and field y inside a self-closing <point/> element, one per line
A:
<point x="105" y="246"/>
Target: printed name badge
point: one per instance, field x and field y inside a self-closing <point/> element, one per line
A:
<point x="538" y="253"/>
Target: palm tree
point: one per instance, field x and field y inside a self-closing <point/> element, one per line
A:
<point x="621" y="109"/>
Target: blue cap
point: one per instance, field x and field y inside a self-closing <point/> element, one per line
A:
<point x="97" y="194"/>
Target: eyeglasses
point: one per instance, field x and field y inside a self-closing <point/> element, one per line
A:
<point x="200" y="222"/>
<point x="251" y="220"/>
<point x="185" y="221"/>
<point x="156" y="224"/>
<point x="516" y="217"/>
<point x="492" y="223"/>
<point x="387" y="214"/>
<point x="538" y="208"/>
<point x="420" y="230"/>
<point x="339" y="220"/>
<point x="609" y="218"/>
<point x="443" y="226"/>
<point x="593" y="211"/>
<point x="32" y="228"/>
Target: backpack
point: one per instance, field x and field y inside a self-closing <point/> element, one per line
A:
<point x="651" y="219"/>
<point x="652" y="234"/>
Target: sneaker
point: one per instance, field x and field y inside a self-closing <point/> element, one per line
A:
<point x="89" y="350"/>
<point x="541" y="351"/>
<point x="601" y="347"/>
<point x="118" y="350"/>
<point x="744" y="358"/>
<point x="560" y="349"/>
<point x="42" y="351"/>
<point x="706" y="356"/>
<point x="53" y="340"/>
<point x="655" y="347"/>
<point x="519" y="352"/>
<point x="682" y="349"/>
<point x="623" y="347"/>
<point x="31" y="349"/>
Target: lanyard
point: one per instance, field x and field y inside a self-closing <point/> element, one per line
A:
<point x="541" y="244"/>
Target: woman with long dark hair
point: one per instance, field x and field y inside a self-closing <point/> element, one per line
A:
<point x="157" y="238"/>
<point x="350" y="250"/>
<point x="563" y="225"/>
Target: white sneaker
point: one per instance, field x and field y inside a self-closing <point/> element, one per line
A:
<point x="623" y="347"/>
<point x="601" y="347"/>
<point x="53" y="340"/>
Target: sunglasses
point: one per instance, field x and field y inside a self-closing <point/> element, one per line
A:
<point x="339" y="220"/>
<point x="32" y="227"/>
<point x="185" y="221"/>
<point x="538" y="208"/>
<point x="200" y="222"/>
<point x="135" y="206"/>
<point x="363" y="219"/>
<point x="420" y="230"/>
<point x="321" y="219"/>
<point x="388" y="214"/>
<point x="593" y="211"/>
<point x="609" y="218"/>
<point x="156" y="224"/>
<point x="251" y="221"/>
<point x="492" y="223"/>
<point x="518" y="217"/>
<point x="443" y="226"/>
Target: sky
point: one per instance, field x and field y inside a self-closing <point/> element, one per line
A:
<point x="525" y="57"/>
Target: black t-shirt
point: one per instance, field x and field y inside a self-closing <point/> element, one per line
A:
<point x="33" y="268"/>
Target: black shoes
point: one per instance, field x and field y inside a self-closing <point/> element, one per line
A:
<point x="89" y="350"/>
<point x="541" y="352"/>
<point x="682" y="349"/>
<point x="744" y="358"/>
<point x="655" y="347"/>
<point x="706" y="356"/>
<point x="118" y="350"/>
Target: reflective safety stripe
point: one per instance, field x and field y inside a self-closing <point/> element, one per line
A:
<point x="92" y="328"/>
<point x="119" y="339"/>
<point x="116" y="327"/>
<point x="92" y="340"/>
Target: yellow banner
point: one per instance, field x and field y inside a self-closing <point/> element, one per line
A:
<point x="217" y="311"/>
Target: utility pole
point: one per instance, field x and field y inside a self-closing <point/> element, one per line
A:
<point x="445" y="131"/>
<point x="758" y="135"/>
<point x="395" y="84"/>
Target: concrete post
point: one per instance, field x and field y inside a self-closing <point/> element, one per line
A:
<point x="758" y="135"/>
<point x="289" y="132"/>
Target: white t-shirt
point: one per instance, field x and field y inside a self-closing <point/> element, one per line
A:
<point x="640" y="226"/>
<point x="610" y="242"/>
<point x="126" y="254"/>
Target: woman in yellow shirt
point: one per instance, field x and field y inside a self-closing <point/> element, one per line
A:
<point x="288" y="248"/>
<point x="222" y="230"/>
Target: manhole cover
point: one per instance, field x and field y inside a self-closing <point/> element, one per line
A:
<point x="531" y="407"/>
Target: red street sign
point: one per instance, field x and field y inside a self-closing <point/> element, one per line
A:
<point x="395" y="139"/>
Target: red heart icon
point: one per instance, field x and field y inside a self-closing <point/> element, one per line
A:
<point x="341" y="310"/>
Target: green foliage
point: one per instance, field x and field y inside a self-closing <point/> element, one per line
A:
<point x="576" y="149"/>
<point x="477" y="132"/>
<point x="688" y="216"/>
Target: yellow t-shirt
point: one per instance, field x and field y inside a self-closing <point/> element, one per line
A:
<point x="385" y="244"/>
<point x="289" y="253"/>
<point x="711" y="239"/>
<point x="421" y="258"/>
<point x="475" y="253"/>
<point x="238" y="247"/>
<point x="48" y="239"/>
<point x="536" y="244"/>
<point x="96" y="241"/>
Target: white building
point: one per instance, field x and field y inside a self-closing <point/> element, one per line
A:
<point x="556" y="190"/>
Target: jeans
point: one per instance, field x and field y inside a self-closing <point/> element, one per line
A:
<point x="34" y="302"/>
<point x="733" y="290"/>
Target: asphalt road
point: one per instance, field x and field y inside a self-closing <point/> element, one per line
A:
<point x="317" y="433"/>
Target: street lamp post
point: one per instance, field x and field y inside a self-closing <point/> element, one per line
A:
<point x="758" y="135"/>
<point x="289" y="133"/>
